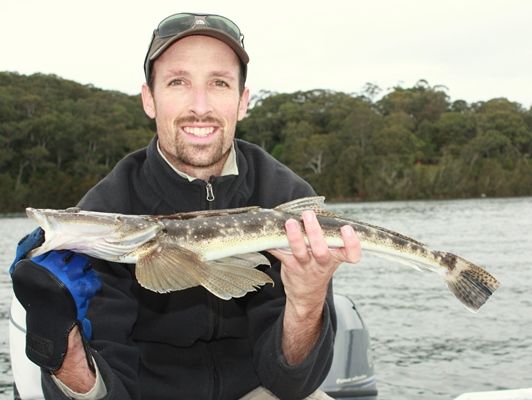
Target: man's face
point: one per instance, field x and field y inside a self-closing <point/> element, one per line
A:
<point x="196" y="103"/>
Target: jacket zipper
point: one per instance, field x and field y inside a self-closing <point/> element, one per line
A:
<point x="210" y="194"/>
<point x="215" y="305"/>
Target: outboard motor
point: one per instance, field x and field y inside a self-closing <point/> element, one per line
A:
<point x="351" y="375"/>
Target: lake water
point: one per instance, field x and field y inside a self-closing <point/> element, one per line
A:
<point x="426" y="345"/>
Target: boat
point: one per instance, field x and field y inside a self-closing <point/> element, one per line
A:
<point x="514" y="394"/>
<point x="351" y="376"/>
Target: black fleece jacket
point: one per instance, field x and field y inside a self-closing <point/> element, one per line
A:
<point x="190" y="344"/>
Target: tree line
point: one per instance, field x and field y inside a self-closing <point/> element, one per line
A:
<point x="58" y="138"/>
<point x="412" y="143"/>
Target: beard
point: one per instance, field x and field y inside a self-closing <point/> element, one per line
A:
<point x="200" y="155"/>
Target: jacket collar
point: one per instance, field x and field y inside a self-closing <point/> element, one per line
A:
<point x="230" y="167"/>
<point x="182" y="195"/>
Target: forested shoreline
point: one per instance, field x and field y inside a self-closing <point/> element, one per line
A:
<point x="58" y="138"/>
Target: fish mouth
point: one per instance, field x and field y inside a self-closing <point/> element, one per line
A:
<point x="32" y="213"/>
<point x="38" y="217"/>
<point x="41" y="220"/>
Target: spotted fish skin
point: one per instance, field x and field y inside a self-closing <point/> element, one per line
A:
<point x="219" y="249"/>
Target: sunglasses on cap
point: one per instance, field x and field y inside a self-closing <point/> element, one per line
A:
<point x="181" y="25"/>
<point x="178" y="23"/>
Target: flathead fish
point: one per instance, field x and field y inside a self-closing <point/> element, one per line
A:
<point x="219" y="249"/>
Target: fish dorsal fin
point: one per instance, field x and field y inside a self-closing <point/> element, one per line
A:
<point x="314" y="203"/>
<point x="208" y="213"/>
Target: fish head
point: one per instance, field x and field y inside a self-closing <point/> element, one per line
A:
<point x="101" y="235"/>
<point x="72" y="220"/>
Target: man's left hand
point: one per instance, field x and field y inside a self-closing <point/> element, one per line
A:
<point x="307" y="270"/>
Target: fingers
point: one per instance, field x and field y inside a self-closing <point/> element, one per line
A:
<point x="281" y="254"/>
<point x="317" y="243"/>
<point x="310" y="244"/>
<point x="296" y="240"/>
<point x="352" y="248"/>
<point x="314" y="247"/>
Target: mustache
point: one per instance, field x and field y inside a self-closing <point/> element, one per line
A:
<point x="192" y="119"/>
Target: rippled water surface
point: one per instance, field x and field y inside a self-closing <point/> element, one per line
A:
<point x="426" y="344"/>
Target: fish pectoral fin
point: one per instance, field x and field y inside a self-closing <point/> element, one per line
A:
<point x="235" y="276"/>
<point x="164" y="268"/>
<point x="314" y="203"/>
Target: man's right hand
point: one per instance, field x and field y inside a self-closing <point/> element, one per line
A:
<point x="55" y="289"/>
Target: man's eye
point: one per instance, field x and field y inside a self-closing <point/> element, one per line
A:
<point x="221" y="83"/>
<point x="175" y="82"/>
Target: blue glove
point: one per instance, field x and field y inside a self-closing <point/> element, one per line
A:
<point x="55" y="289"/>
<point x="75" y="271"/>
<point x="27" y="243"/>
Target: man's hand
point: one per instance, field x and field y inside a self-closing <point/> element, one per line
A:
<point x="76" y="372"/>
<point x="55" y="289"/>
<point x="306" y="273"/>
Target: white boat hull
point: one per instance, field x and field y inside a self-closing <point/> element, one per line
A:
<point x="517" y="394"/>
<point x="26" y="374"/>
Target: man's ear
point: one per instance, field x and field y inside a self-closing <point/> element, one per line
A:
<point x="148" y="103"/>
<point x="243" y="105"/>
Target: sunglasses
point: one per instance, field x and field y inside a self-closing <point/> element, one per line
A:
<point x="179" y="23"/>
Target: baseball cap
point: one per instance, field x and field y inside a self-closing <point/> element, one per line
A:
<point x="180" y="25"/>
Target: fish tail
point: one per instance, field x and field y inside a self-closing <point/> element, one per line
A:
<point x="471" y="284"/>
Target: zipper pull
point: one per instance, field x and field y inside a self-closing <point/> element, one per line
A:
<point x="210" y="192"/>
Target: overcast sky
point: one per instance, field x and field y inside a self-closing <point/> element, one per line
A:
<point x="479" y="49"/>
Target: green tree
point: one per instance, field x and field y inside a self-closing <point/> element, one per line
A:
<point x="58" y="138"/>
<point x="508" y="119"/>
<point x="54" y="150"/>
<point x="422" y="102"/>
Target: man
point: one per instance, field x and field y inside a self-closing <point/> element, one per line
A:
<point x="276" y="342"/>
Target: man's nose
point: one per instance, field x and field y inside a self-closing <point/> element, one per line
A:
<point x="199" y="103"/>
